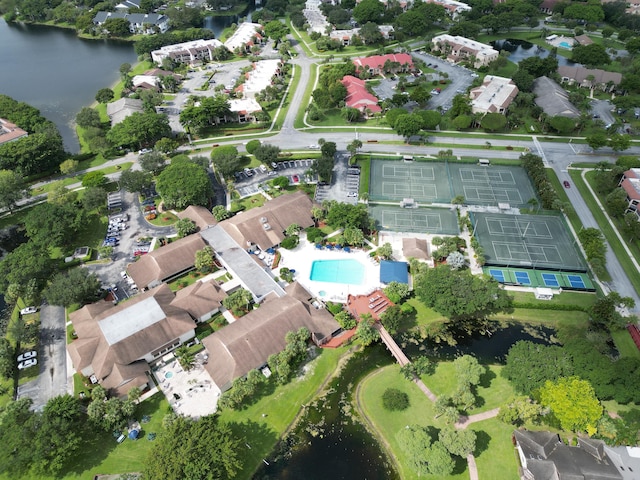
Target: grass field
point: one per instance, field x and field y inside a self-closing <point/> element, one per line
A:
<point x="263" y="422"/>
<point x="494" y="453"/>
<point x="625" y="344"/>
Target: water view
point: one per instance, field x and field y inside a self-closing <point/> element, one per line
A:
<point x="57" y="72"/>
<point x="329" y="443"/>
<point x="521" y="49"/>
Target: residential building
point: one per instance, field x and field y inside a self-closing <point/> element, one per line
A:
<point x="244" y="109"/>
<point x="201" y="300"/>
<point x="494" y="95"/>
<point x="115" y="344"/>
<point x="264" y="226"/>
<point x="631" y="183"/>
<point x="458" y="49"/>
<point x="346" y="36"/>
<point x="245" y="36"/>
<point x="151" y="79"/>
<point x="10" y="132"/>
<point x="417" y="248"/>
<point x="166" y="263"/>
<point x="260" y="77"/>
<point x="590" y="77"/>
<point x="122" y="108"/>
<point x="358" y="96"/>
<point x="553" y="99"/>
<point x="452" y="7"/>
<point x="583" y="40"/>
<point x="201" y="216"/>
<point x="633" y="6"/>
<point x="247" y="343"/>
<point x="187" y="52"/>
<point x="390" y="63"/>
<point x="139" y="23"/>
<point x="543" y="456"/>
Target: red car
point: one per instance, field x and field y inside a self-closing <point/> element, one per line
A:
<point x="566" y="184"/>
<point x="295" y="179"/>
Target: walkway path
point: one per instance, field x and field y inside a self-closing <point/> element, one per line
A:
<point x="464" y="421"/>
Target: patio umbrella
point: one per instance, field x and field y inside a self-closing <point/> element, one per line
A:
<point x="319" y="246"/>
<point x="346" y="249"/>
<point x="133" y="434"/>
<point x="330" y="247"/>
<point x="338" y="247"/>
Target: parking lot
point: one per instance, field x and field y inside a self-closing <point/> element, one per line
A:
<point x="460" y="80"/>
<point x="249" y="181"/>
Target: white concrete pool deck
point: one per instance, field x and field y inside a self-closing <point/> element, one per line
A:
<point x="302" y="257"/>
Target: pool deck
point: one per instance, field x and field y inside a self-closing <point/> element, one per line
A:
<point x="302" y="257"/>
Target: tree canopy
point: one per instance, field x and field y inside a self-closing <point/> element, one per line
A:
<point x="183" y="184"/>
<point x="573" y="403"/>
<point x="73" y="286"/>
<point x="460" y="296"/>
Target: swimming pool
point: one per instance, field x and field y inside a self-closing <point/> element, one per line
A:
<point x="565" y="45"/>
<point x="337" y="271"/>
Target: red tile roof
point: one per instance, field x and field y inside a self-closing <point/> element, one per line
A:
<point x="357" y="95"/>
<point x="377" y="61"/>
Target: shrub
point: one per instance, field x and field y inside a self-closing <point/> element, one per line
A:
<point x="151" y="216"/>
<point x="395" y="400"/>
<point x="290" y="242"/>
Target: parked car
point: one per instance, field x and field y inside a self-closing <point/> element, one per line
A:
<point x="352" y="194"/>
<point x="27" y="355"/>
<point x="27" y="363"/>
<point x="295" y="179"/>
<point x="28" y="310"/>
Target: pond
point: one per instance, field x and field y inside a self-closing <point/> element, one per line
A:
<point x="329" y="443"/>
<point x="521" y="49"/>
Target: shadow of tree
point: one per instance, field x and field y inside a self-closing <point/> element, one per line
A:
<point x="483" y="439"/>
<point x="486" y="378"/>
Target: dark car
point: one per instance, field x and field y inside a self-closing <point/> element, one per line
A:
<point x="566" y="184"/>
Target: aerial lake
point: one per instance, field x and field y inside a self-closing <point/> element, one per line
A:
<point x="521" y="49"/>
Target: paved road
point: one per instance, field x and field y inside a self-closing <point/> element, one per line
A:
<point x="52" y="360"/>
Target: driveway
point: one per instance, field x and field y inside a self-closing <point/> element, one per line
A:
<point x="460" y="78"/>
<point x="339" y="188"/>
<point x="52" y="360"/>
<point x="603" y="108"/>
<point x="251" y="185"/>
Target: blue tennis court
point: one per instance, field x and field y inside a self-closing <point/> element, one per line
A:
<point x="523" y="278"/>
<point x="550" y="280"/>
<point x="497" y="274"/>
<point x="576" y="281"/>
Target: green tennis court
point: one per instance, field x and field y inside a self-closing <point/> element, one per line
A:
<point x="541" y="278"/>
<point x="415" y="220"/>
<point x="535" y="241"/>
<point x="440" y="182"/>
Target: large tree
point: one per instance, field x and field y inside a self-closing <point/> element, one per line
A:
<point x="135" y="180"/>
<point x="225" y="160"/>
<point x="139" y="130"/>
<point x="183" y="184"/>
<point x="573" y="403"/>
<point x="53" y="225"/>
<point x="529" y="365"/>
<point x="368" y="11"/>
<point x="462" y="297"/>
<point x="203" y="449"/>
<point x="12" y="189"/>
<point x="73" y="286"/>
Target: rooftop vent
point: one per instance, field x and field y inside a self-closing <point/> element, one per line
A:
<point x="263" y="219"/>
<point x="266" y="226"/>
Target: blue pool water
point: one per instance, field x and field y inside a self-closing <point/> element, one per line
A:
<point x="337" y="271"/>
<point x="565" y="45"/>
<point x="168" y="375"/>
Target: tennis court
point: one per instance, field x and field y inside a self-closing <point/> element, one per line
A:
<point x="395" y="180"/>
<point x="416" y="220"/>
<point x="440" y="182"/>
<point x="537" y="241"/>
<point x="541" y="278"/>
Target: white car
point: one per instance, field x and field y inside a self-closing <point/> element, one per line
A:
<point x="27" y="363"/>
<point x="314" y="147"/>
<point x="27" y="355"/>
<point x="28" y="310"/>
<point x="352" y="194"/>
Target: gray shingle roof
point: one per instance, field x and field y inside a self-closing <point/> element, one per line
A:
<point x="553" y="99"/>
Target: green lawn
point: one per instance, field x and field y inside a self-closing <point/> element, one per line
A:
<point x="164" y="219"/>
<point x="625" y="344"/>
<point x="579" y="299"/>
<point x="263" y="423"/>
<point x="607" y="230"/>
<point x="494" y="455"/>
<point x="248" y="203"/>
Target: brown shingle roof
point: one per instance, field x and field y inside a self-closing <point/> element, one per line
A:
<point x="201" y="216"/>
<point x="125" y="334"/>
<point x="166" y="262"/>
<point x="415" y="247"/>
<point x="200" y="298"/>
<point x="580" y="74"/>
<point x="583" y="40"/>
<point x="265" y="226"/>
<point x="247" y="343"/>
